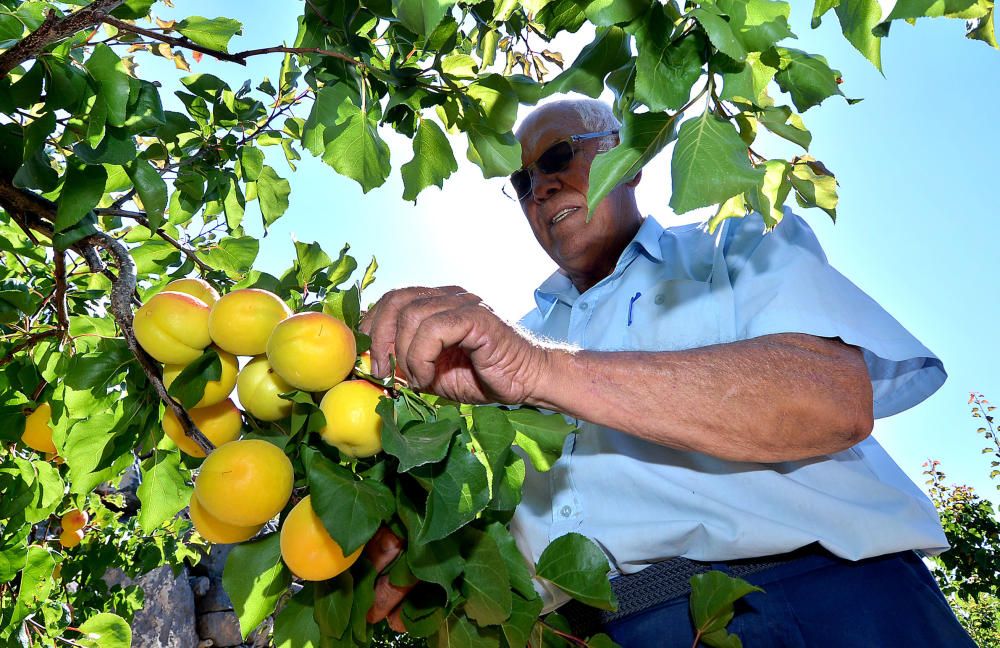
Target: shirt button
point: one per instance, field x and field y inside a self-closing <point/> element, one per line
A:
<point x="658" y="300"/>
<point x="584" y="306"/>
<point x="565" y="511"/>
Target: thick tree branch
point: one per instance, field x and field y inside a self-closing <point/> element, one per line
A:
<point x="28" y="209"/>
<point x="54" y="29"/>
<point x="235" y="57"/>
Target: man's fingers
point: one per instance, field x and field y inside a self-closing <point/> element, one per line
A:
<point x="396" y="620"/>
<point x="387" y="598"/>
<point x="415" y="313"/>
<point x="433" y="336"/>
<point x="383" y="548"/>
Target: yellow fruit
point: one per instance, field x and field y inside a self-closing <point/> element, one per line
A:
<point x="173" y="327"/>
<point x="217" y="531"/>
<point x="70" y="539"/>
<point x="308" y="549"/>
<point x="221" y="423"/>
<point x="312" y="351"/>
<point x="258" y="387"/>
<point x="365" y="363"/>
<point x="216" y="391"/>
<point x="196" y="288"/>
<point x="37" y="431"/>
<point x="244" y="482"/>
<point x="351" y="422"/>
<point x="241" y="321"/>
<point x="74" y="520"/>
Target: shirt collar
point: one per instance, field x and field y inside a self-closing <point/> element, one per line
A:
<point x="687" y="259"/>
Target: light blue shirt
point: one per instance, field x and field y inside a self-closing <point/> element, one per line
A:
<point x="680" y="288"/>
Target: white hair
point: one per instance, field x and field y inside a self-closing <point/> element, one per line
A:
<point x="596" y="116"/>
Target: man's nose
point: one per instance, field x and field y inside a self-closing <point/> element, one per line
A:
<point x="544" y="185"/>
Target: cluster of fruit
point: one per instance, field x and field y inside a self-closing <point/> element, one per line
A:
<point x="245" y="483"/>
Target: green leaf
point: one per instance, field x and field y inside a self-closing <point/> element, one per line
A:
<point x="355" y="150"/>
<point x="577" y="566"/>
<point x="604" y="13"/>
<point x="437" y="562"/>
<point x="342" y="269"/>
<point x="35" y="584"/>
<point x="294" y="625"/>
<point x="909" y="9"/>
<point x="433" y="160"/>
<point x="665" y="72"/>
<point x="350" y="509"/>
<point x="82" y="190"/>
<point x="814" y="185"/>
<point x="769" y="198"/>
<point x="517" y="565"/>
<point x="369" y="276"/>
<point x="983" y="29"/>
<point x="189" y="386"/>
<point x="255" y="578"/>
<point x="486" y="583"/>
<point x="497" y="154"/>
<point x="609" y="50"/>
<point x="749" y="84"/>
<point x="459" y="632"/>
<point x="806" y="77"/>
<point x="709" y="164"/>
<point x="164" y="490"/>
<point x="112" y="82"/>
<point x="133" y="9"/>
<point x="152" y="190"/>
<point x="758" y="24"/>
<point x="48" y="493"/>
<point x="331" y="107"/>
<point x="541" y="436"/>
<point x="421" y="16"/>
<point x="497" y="100"/>
<point x="782" y="121"/>
<point x="642" y="137"/>
<point x="735" y="207"/>
<point x="819" y="10"/>
<point x="459" y="491"/>
<point x="13" y="549"/>
<point x="523" y="616"/>
<point x="37" y="172"/>
<point x="251" y="163"/>
<point x="213" y="33"/>
<point x="712" y="596"/>
<point x="345" y="305"/>
<point x="272" y="190"/>
<point x="332" y="604"/>
<point x="422" y="443"/>
<point x="233" y="255"/>
<point x="494" y="435"/>
<point x="146" y="111"/>
<point x="105" y="630"/>
<point x="309" y="259"/>
<point x="857" y="19"/>
<point x="719" y="33"/>
<point x="117" y="147"/>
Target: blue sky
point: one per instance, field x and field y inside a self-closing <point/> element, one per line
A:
<point x="917" y="229"/>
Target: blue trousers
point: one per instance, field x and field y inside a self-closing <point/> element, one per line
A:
<point x="818" y="602"/>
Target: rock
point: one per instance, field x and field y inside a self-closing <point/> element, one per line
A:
<point x="200" y="585"/>
<point x="167" y="617"/>
<point x="215" y="598"/>
<point x="221" y="627"/>
<point x="215" y="561"/>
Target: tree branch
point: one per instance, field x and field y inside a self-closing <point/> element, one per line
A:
<point x="62" y="315"/>
<point x="140" y="218"/>
<point x="27" y="209"/>
<point x="28" y="342"/>
<point x="235" y="57"/>
<point x="53" y="29"/>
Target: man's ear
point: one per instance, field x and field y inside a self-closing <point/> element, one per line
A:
<point x="634" y="181"/>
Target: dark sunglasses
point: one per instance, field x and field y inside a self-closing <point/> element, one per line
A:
<point x="555" y="159"/>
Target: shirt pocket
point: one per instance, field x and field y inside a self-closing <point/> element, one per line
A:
<point x="673" y="315"/>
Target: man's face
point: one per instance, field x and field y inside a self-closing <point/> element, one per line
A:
<point x="556" y="206"/>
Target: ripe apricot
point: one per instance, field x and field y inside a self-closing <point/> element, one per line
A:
<point x="37" y="433"/>
<point x="351" y="422"/>
<point x="74" y="520"/>
<point x="216" y="391"/>
<point x="312" y="351"/>
<point x="241" y="321"/>
<point x="173" y="327"/>
<point x="217" y="531"/>
<point x="221" y="423"/>
<point x="196" y="288"/>
<point x="244" y="482"/>
<point x="258" y="387"/>
<point x="70" y="539"/>
<point x="308" y="549"/>
<point x="364" y="363"/>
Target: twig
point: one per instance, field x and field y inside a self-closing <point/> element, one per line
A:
<point x="60" y="295"/>
<point x="140" y="218"/>
<point x="52" y="29"/>
<point x="235" y="57"/>
<point x="29" y="341"/>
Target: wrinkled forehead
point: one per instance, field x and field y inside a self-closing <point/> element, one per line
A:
<point x="544" y="127"/>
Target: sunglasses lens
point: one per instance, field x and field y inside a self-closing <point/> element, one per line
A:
<point x="556" y="158"/>
<point x="521" y="181"/>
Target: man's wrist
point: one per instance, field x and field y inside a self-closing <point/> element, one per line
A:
<point x="553" y="366"/>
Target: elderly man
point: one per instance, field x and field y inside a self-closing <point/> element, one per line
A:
<point x="725" y="387"/>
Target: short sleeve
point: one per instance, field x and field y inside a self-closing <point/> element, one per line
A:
<point x="782" y="283"/>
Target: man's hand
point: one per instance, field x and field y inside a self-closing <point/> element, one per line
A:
<point x="382" y="549"/>
<point x="447" y="342"/>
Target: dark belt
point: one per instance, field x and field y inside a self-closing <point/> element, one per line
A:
<point x="666" y="581"/>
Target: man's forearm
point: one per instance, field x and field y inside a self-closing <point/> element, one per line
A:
<point x="774" y="398"/>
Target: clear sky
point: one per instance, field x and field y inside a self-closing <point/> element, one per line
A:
<point x="918" y="223"/>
